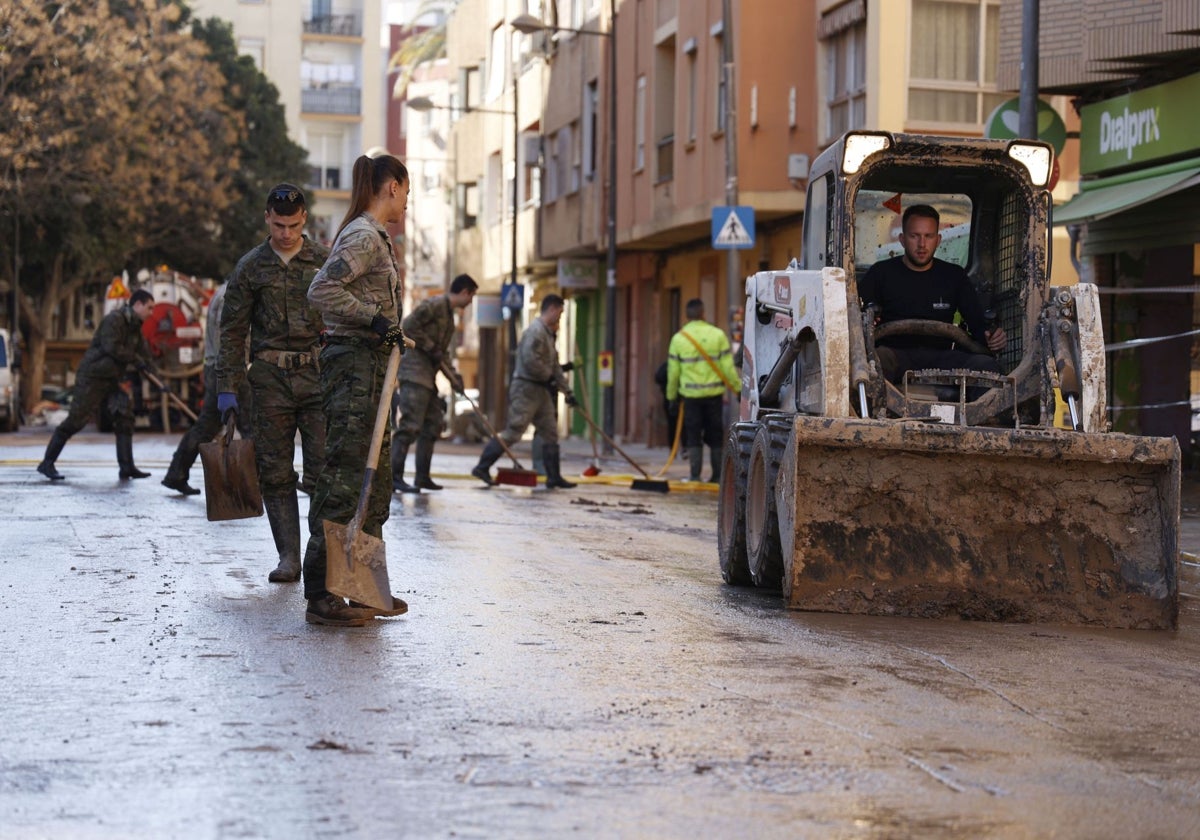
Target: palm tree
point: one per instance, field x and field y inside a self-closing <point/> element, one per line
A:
<point x="424" y="43"/>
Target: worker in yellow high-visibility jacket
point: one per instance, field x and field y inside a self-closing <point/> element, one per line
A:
<point x="699" y="370"/>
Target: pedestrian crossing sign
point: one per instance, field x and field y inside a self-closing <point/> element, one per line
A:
<point x="733" y="227"/>
<point x="512" y="296"/>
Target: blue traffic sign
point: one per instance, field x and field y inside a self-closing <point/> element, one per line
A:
<point x="512" y="296"/>
<point x="733" y="227"/>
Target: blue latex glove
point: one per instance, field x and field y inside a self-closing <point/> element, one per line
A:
<point x="225" y="404"/>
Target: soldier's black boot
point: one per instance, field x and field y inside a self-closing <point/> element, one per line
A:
<point x="177" y="477"/>
<point x="57" y="441"/>
<point x="424" y="461"/>
<point x="125" y="458"/>
<point x="554" y="479"/>
<point x="283" y="512"/>
<point x="491" y="453"/>
<point x="399" y="456"/>
<point x="714" y="458"/>
<point x="695" y="461"/>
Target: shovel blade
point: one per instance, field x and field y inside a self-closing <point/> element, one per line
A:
<point x="230" y="480"/>
<point x="356" y="566"/>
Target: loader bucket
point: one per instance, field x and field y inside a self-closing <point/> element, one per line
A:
<point x="1026" y="525"/>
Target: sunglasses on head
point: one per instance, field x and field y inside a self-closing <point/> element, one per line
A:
<point x="289" y="196"/>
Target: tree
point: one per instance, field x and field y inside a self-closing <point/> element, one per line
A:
<point x="115" y="140"/>
<point x="423" y="43"/>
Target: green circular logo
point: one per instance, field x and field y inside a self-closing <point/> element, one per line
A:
<point x="1004" y="124"/>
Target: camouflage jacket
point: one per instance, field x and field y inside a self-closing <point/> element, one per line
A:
<point x="537" y="357"/>
<point x="268" y="301"/>
<point x="360" y="280"/>
<point x="117" y="347"/>
<point x="431" y="327"/>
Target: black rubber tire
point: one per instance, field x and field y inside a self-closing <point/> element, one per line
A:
<point x="764" y="551"/>
<point x="731" y="504"/>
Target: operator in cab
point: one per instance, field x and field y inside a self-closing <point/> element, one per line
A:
<point x="918" y="285"/>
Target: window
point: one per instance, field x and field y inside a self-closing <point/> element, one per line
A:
<point x="255" y="48"/>
<point x="326" y="151"/>
<point x="719" y="68"/>
<point x="468" y="205"/>
<point x="639" y="127"/>
<point x="845" y="80"/>
<point x="591" y="101"/>
<point x="552" y="176"/>
<point x="952" y="70"/>
<point x="495" y="66"/>
<point x="664" y="110"/>
<point x="877" y="226"/>
<point x="494" y="190"/>
<point x="691" y="96"/>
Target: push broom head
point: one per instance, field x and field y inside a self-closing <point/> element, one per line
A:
<point x="516" y="477"/>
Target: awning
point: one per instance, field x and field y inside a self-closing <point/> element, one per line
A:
<point x="1109" y="196"/>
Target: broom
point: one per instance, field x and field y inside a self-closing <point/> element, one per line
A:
<point x="593" y="469"/>
<point x="518" y="476"/>
<point x="646" y="482"/>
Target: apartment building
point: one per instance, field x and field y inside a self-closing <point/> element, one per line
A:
<point x="1132" y="70"/>
<point x="325" y="58"/>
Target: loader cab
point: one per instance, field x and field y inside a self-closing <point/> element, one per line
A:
<point x="991" y="196"/>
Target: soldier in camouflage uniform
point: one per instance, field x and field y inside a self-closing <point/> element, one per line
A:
<point x="266" y="300"/>
<point x="533" y="396"/>
<point x="117" y="349"/>
<point x="208" y="422"/>
<point x="431" y="327"/>
<point x="359" y="296"/>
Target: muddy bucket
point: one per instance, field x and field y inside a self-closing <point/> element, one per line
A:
<point x="919" y="519"/>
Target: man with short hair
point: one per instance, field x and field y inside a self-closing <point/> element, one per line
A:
<point x="267" y="301"/>
<point x="533" y="396"/>
<point x="431" y="327"/>
<point x="699" y="370"/>
<point x="918" y="285"/>
<point x="118" y="349"/>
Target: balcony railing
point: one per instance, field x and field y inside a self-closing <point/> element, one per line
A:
<point x="338" y="100"/>
<point x="335" y="25"/>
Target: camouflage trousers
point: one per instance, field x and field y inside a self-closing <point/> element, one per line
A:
<point x="421" y="413"/>
<point x="351" y="384"/>
<point x="285" y="401"/>
<point x="90" y="394"/>
<point x="531" y="402"/>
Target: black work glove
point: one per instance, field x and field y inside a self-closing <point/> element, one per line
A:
<point x="435" y="355"/>
<point x="567" y="367"/>
<point x="570" y="398"/>
<point x="389" y="332"/>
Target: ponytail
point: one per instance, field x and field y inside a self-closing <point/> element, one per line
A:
<point x="371" y="175"/>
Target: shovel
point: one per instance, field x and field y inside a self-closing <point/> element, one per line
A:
<point x="646" y="482"/>
<point x="356" y="562"/>
<point x="518" y="476"/>
<point x="180" y="404"/>
<point x="230" y="477"/>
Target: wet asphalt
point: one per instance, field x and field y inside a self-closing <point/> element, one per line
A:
<point x="571" y="665"/>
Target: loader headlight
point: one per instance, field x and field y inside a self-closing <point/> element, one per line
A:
<point x="859" y="147"/>
<point x="1036" y="159"/>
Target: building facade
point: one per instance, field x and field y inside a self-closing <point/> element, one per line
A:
<point x="326" y="59"/>
<point x="1132" y="70"/>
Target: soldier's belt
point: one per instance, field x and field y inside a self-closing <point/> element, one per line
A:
<point x="286" y="359"/>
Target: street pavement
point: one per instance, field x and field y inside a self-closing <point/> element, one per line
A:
<point x="571" y="665"/>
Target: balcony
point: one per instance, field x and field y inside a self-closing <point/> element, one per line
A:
<point x="337" y="100"/>
<point x="349" y="25"/>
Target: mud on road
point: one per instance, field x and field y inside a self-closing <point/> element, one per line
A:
<point x="571" y="663"/>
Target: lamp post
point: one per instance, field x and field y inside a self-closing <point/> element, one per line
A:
<point x="528" y="24"/>
<point x="424" y="103"/>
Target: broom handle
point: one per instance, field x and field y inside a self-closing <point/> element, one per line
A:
<point x="612" y="442"/>
<point x="446" y="369"/>
<point x="180" y="404"/>
<point x="587" y="402"/>
<point x="381" y="423"/>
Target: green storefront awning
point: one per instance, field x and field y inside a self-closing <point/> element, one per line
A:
<point x="1109" y="196"/>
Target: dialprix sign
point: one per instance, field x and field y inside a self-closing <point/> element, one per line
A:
<point x="1140" y="127"/>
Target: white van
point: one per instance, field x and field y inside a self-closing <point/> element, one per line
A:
<point x="10" y="410"/>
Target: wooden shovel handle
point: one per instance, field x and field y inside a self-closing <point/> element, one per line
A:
<point x="381" y="424"/>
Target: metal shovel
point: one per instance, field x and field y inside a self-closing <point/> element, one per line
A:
<point x="356" y="562"/>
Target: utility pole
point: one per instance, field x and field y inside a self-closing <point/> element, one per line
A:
<point x="733" y="290"/>
<point x="1028" y="107"/>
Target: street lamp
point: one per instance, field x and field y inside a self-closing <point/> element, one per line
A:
<point x="528" y="24"/>
<point x="424" y="103"/>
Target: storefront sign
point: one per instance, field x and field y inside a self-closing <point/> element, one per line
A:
<point x="578" y="274"/>
<point x="1140" y="127"/>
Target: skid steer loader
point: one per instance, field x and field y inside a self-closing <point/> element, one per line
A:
<point x="955" y="493"/>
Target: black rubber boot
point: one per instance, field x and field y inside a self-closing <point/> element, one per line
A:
<point x="554" y="479"/>
<point x="424" y="461"/>
<point x="491" y="453"/>
<point x="695" y="461"/>
<point x="125" y="458"/>
<point x="57" y="441"/>
<point x="714" y="458"/>
<point x="177" y="477"/>
<point x="399" y="456"/>
<point x="283" y="512"/>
